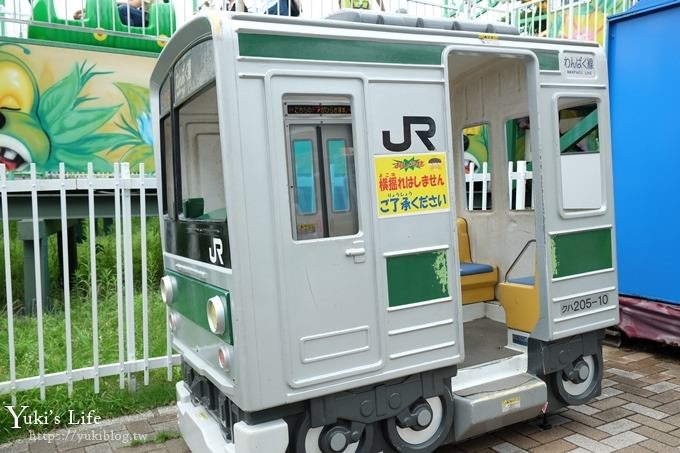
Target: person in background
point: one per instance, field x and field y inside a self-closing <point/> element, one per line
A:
<point x="231" y="6"/>
<point x="360" y="4"/>
<point x="136" y="10"/>
<point x="280" y="7"/>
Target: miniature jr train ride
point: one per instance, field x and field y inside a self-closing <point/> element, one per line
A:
<point x="349" y="266"/>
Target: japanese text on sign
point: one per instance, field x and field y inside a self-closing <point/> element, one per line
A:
<point x="411" y="184"/>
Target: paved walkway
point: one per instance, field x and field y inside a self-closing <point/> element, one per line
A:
<point x="639" y="411"/>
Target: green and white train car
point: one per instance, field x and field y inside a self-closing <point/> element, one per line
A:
<point x="336" y="279"/>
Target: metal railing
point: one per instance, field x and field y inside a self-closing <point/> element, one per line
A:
<point x="56" y="190"/>
<point x="580" y="19"/>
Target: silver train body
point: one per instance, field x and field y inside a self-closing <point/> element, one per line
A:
<point x="380" y="233"/>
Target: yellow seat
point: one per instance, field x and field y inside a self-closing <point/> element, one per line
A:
<point x="520" y="302"/>
<point x="478" y="281"/>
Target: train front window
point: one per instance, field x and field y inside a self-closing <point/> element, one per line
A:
<point x="321" y="176"/>
<point x="202" y="181"/>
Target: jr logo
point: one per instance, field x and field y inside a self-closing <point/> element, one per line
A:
<point x="423" y="135"/>
<point x="215" y="252"/>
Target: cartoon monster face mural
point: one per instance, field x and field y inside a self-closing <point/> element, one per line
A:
<point x="66" y="122"/>
<point x="22" y="138"/>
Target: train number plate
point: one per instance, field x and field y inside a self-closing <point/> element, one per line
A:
<point x="584" y="303"/>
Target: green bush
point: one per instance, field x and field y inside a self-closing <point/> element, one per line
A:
<point x="106" y="263"/>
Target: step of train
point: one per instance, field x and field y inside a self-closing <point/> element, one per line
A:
<point x="492" y="405"/>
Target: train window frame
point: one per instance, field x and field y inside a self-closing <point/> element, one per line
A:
<point x="168" y="179"/>
<point x="323" y="127"/>
<point x="464" y="167"/>
<point x="581" y="189"/>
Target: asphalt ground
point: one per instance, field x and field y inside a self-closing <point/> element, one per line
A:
<point x="638" y="411"/>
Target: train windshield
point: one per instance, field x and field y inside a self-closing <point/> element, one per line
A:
<point x="194" y="190"/>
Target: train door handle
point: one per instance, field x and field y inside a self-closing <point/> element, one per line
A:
<point x="358" y="253"/>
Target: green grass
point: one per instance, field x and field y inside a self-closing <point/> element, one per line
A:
<point x="159" y="438"/>
<point x="111" y="400"/>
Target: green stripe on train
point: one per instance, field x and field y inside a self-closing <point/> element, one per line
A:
<point x="581" y="252"/>
<point x="191" y="301"/>
<point x="417" y="278"/>
<point x="333" y="49"/>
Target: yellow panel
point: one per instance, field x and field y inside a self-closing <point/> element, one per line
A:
<point x="521" y="305"/>
<point x="463" y="241"/>
<point x="479" y="287"/>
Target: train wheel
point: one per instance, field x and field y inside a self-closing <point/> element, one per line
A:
<point x="330" y="439"/>
<point x="424" y="427"/>
<point x="580" y="382"/>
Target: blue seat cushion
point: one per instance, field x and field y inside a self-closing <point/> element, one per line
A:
<point x="523" y="280"/>
<point x="474" y="268"/>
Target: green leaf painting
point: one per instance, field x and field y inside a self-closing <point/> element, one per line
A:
<point x="71" y="121"/>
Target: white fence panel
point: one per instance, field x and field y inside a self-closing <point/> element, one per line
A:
<point x="122" y="186"/>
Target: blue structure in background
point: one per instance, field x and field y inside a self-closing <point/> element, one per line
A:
<point x="644" y="73"/>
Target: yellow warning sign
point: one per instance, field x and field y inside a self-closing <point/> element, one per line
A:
<point x="411" y="184"/>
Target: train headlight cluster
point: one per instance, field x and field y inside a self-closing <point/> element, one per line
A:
<point x="216" y="315"/>
<point x="168" y="288"/>
<point x="224" y="358"/>
<point x="173" y="321"/>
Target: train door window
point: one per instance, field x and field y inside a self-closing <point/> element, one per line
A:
<point x="477" y="166"/>
<point x="305" y="189"/>
<point x="338" y="174"/>
<point x="520" y="164"/>
<point x="202" y="184"/>
<point x="321" y="173"/>
<point x="580" y="165"/>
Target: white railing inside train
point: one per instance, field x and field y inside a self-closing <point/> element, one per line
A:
<point x="519" y="178"/>
<point x="517" y="185"/>
<point x="472" y="179"/>
<point x="122" y="184"/>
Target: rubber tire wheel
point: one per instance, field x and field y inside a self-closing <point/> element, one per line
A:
<point x="304" y="425"/>
<point x="591" y="387"/>
<point x="402" y="446"/>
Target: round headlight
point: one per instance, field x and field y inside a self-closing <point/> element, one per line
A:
<point x="224" y="358"/>
<point x="173" y="321"/>
<point x="215" y="311"/>
<point x="168" y="288"/>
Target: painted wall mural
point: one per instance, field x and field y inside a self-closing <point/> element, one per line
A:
<point x="583" y="20"/>
<point x="73" y="106"/>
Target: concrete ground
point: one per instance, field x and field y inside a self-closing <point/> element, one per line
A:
<point x="639" y="411"/>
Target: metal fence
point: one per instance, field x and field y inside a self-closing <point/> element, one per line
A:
<point x="63" y="198"/>
<point x="570" y="19"/>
